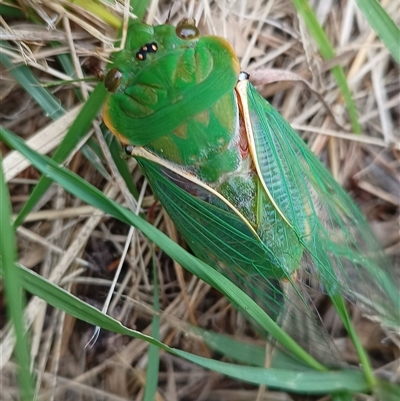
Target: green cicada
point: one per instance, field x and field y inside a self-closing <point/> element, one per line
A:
<point x="244" y="190"/>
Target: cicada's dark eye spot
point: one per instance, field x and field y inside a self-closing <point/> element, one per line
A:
<point x="144" y="50"/>
<point x="128" y="150"/>
<point x="112" y="80"/>
<point x="187" y="29"/>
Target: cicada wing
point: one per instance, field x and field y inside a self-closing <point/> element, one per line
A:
<point x="339" y="244"/>
<point x="220" y="237"/>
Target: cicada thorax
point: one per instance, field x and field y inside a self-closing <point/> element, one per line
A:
<point x="206" y="143"/>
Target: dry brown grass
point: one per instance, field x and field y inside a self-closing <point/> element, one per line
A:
<point x="84" y="247"/>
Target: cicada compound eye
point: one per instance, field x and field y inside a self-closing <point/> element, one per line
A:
<point x="187" y="29"/>
<point x="113" y="79"/>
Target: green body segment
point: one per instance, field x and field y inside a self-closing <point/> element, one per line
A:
<point x="244" y="190"/>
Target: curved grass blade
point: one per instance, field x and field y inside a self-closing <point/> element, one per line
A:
<point x="327" y="51"/>
<point x="25" y="78"/>
<point x="308" y="381"/>
<point x="382" y="24"/>
<point x="14" y="297"/>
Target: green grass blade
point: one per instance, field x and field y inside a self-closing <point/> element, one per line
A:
<point x="97" y="9"/>
<point x="383" y="25"/>
<point x="25" y="77"/>
<point x="341" y="309"/>
<point x="11" y="11"/>
<point x="247" y="353"/>
<point x="342" y="396"/>
<point x="387" y="391"/>
<point x="321" y="382"/>
<point x="327" y="52"/>
<point x="139" y="7"/>
<point x="310" y="382"/>
<point x="13" y="291"/>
